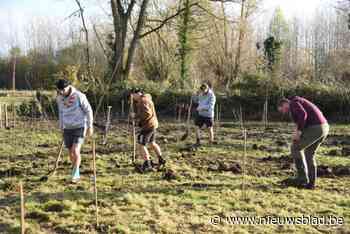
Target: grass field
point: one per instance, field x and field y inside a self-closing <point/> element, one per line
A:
<point x="207" y="183"/>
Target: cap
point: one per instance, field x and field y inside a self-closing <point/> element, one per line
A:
<point x="62" y="84"/>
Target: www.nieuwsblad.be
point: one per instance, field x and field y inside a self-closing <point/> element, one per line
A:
<point x="277" y="220"/>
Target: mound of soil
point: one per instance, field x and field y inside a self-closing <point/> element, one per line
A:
<point x="341" y="170"/>
<point x="169" y="175"/>
<point x="200" y="185"/>
<point x="281" y="159"/>
<point x="281" y="143"/>
<point x="261" y="147"/>
<point x="234" y="167"/>
<point x="112" y="149"/>
<point x="328" y="171"/>
<point x="10" y="172"/>
<point x="138" y="168"/>
<point x="55" y="208"/>
<point x="324" y="171"/>
<point x="40" y="217"/>
<point x="345" y="151"/>
<point x="189" y="148"/>
<point x="334" y="152"/>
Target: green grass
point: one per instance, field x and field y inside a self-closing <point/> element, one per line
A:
<point x="133" y="203"/>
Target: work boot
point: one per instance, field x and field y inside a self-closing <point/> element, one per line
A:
<point x="147" y="166"/>
<point x="198" y="143"/>
<point x="161" y="162"/>
<point x="310" y="186"/>
<point x="293" y="181"/>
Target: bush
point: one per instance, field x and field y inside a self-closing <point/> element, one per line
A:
<point x="249" y="93"/>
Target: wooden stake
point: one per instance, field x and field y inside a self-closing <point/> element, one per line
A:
<point x="184" y="137"/>
<point x="1" y="125"/>
<point x="180" y="112"/>
<point x="14" y="115"/>
<point x="108" y="123"/>
<point x="217" y="116"/>
<point x="22" y="207"/>
<point x="176" y="111"/>
<point x="133" y="130"/>
<point x="244" y="194"/>
<point x="6" y="117"/>
<point x="241" y="116"/>
<point x="266" y="112"/>
<point x="123" y="110"/>
<point x="95" y="179"/>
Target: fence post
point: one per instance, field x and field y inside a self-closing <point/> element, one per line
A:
<point x="14" y="115"/>
<point x="95" y="179"/>
<point x="1" y="125"/>
<point x="123" y="109"/>
<point x="107" y="124"/>
<point x="23" y="228"/>
<point x="244" y="169"/>
<point x="6" y="117"/>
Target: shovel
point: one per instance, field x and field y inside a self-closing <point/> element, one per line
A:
<point x="184" y="137"/>
<point x="46" y="177"/>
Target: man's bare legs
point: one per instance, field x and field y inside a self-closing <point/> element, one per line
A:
<point x="156" y="148"/>
<point x="211" y="135"/>
<point x="75" y="157"/>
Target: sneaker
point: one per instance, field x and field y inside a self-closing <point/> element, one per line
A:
<point x="147" y="166"/>
<point x="75" y="180"/>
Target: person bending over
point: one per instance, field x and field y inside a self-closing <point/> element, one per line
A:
<point x="311" y="130"/>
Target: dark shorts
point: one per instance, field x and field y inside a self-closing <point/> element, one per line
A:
<point x="201" y="121"/>
<point x="146" y="136"/>
<point x="73" y="136"/>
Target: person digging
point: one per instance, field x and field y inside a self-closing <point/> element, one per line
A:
<point x="75" y="121"/>
<point x="147" y="121"/>
<point x="205" y="112"/>
<point x="311" y="130"/>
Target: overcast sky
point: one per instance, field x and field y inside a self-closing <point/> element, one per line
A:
<point x="14" y="14"/>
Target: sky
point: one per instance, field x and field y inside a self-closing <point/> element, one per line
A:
<point x="15" y="14"/>
<point x="299" y="8"/>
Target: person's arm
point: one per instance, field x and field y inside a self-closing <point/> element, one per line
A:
<point x="212" y="101"/>
<point x="86" y="107"/>
<point x="60" y="118"/>
<point x="299" y="115"/>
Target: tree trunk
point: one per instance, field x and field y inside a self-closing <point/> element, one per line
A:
<point x="239" y="47"/>
<point x="184" y="44"/>
<point x="14" y="73"/>
<point x="136" y="38"/>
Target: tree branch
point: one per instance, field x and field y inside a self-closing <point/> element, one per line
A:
<point x="130" y="7"/>
<point x="86" y="38"/>
<point x="225" y="1"/>
<point x="165" y="21"/>
<point x="136" y="37"/>
<point x="100" y="41"/>
<point x="120" y="8"/>
<point x="215" y="16"/>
